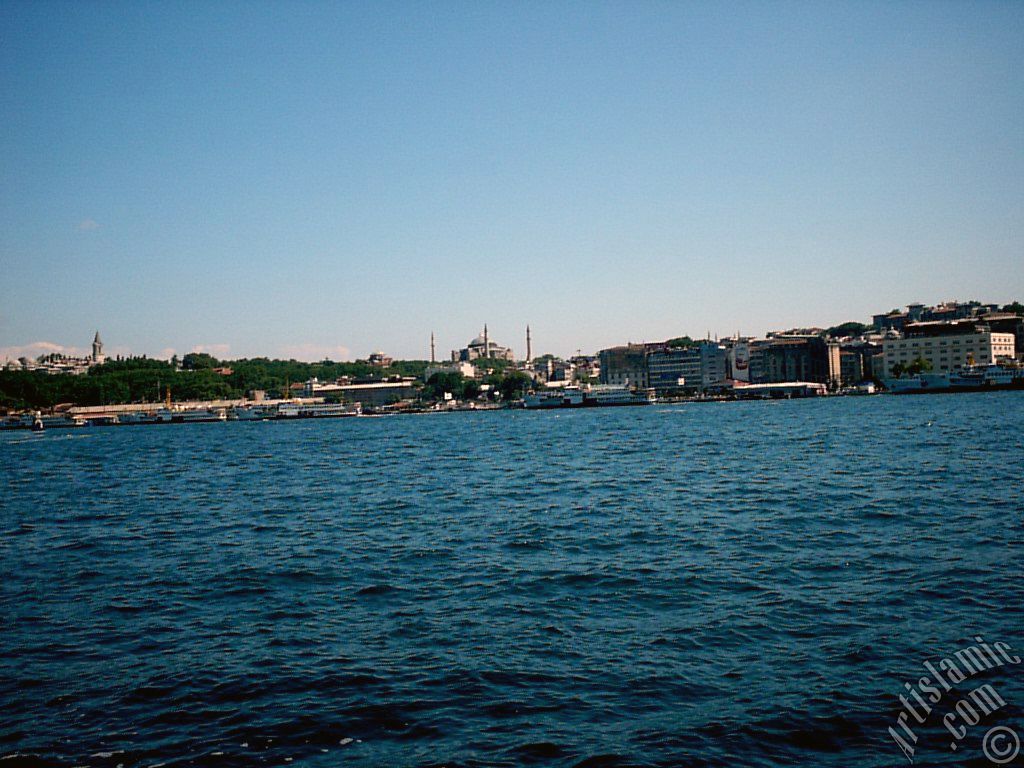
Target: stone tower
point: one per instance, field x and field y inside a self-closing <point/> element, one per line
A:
<point x="97" y="349"/>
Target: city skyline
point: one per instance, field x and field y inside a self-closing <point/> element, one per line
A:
<point x="311" y="181"/>
<point x="435" y="349"/>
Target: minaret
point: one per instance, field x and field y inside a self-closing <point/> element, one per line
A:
<point x="432" y="360"/>
<point x="529" y="347"/>
<point x="97" y="349"/>
<point x="487" y="344"/>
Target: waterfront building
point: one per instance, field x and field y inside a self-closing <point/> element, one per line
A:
<point x="756" y="361"/>
<point x="1007" y="322"/>
<point x="561" y="370"/>
<point x="586" y="367"/>
<point x="316" y="388"/>
<point x="482" y="347"/>
<point x="947" y="345"/>
<point x="737" y="357"/>
<point x="541" y="368"/>
<point x="368" y="393"/>
<point x="380" y="392"/>
<point x="797" y="358"/>
<point x="860" y="360"/>
<point x="851" y="366"/>
<point x="698" y="367"/>
<point x="466" y="370"/>
<point x="579" y="368"/>
<point x="624" y="366"/>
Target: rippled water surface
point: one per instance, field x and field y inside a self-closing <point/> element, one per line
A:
<point x="733" y="584"/>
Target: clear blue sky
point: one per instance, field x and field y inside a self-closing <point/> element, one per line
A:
<point x="297" y="178"/>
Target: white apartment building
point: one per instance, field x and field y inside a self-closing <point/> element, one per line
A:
<point x="947" y="351"/>
<point x="467" y="370"/>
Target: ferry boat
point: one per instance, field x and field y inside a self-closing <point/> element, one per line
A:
<point x="966" y="378"/>
<point x="252" y="412"/>
<point x="132" y="418"/>
<point x="566" y="397"/>
<point x="37" y="422"/>
<point x="866" y="388"/>
<point x="101" y="420"/>
<point x="992" y="376"/>
<point x="608" y="394"/>
<point x="594" y="396"/>
<point x="924" y="382"/>
<point x="196" y="415"/>
<point x="999" y="375"/>
<point x="317" y="410"/>
<point x="61" y="421"/>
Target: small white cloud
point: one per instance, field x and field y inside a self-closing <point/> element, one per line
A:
<point x="217" y="350"/>
<point x="166" y="353"/>
<point x="87" y="225"/>
<point x="310" y="352"/>
<point x="37" y="348"/>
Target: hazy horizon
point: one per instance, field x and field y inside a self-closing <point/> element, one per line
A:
<point x="311" y="180"/>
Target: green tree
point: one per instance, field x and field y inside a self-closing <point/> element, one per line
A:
<point x="851" y="328"/>
<point x="442" y="382"/>
<point x="680" y="341"/>
<point x="489" y="365"/>
<point x="513" y="385"/>
<point x="919" y="365"/>
<point x="195" y="361"/>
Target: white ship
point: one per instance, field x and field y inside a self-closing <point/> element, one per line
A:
<point x="196" y="415"/>
<point x="991" y="376"/>
<point x="592" y="396"/>
<point x="317" y="410"/>
<point x="608" y="394"/>
<point x="131" y="418"/>
<point x="965" y="378"/>
<point x="566" y="397"/>
<point x="61" y="421"/>
<point x="924" y="382"/>
<point x="253" y="412"/>
<point x="38" y="422"/>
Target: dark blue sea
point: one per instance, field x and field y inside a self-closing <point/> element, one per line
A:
<point x="726" y="584"/>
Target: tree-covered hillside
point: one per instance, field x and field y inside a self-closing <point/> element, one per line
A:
<point x="140" y="379"/>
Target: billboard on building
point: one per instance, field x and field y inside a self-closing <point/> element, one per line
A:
<point x="739" y="361"/>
